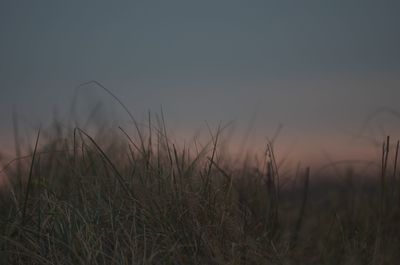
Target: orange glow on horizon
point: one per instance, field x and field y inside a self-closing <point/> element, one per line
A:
<point x="309" y="150"/>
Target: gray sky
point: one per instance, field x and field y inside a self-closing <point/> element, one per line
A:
<point x="317" y="67"/>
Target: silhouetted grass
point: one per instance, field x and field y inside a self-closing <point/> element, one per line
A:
<point x="141" y="198"/>
<point x="87" y="199"/>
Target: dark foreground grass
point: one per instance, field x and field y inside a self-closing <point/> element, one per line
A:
<point x="81" y="199"/>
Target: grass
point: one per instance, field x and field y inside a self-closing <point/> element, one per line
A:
<point x="81" y="198"/>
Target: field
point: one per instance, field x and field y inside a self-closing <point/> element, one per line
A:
<point x="143" y="198"/>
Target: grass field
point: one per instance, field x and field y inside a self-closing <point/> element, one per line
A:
<point x="86" y="198"/>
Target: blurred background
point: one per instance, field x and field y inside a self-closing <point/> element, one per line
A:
<point x="323" y="76"/>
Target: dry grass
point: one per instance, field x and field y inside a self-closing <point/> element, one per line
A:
<point x="83" y="199"/>
<point x="99" y="198"/>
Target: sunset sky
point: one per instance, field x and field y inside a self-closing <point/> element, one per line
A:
<point x="318" y="68"/>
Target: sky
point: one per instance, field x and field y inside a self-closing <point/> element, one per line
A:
<point x="318" y="68"/>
